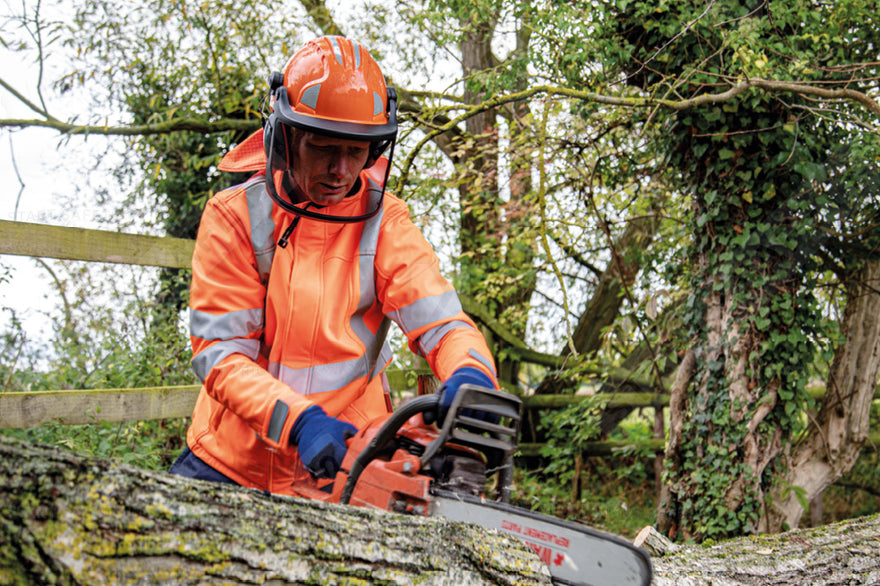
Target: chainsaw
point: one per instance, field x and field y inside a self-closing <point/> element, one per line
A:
<point x="401" y="464"/>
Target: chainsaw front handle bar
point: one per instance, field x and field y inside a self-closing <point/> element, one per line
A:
<point x="468" y="422"/>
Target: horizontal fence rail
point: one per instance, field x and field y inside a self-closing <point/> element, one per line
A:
<point x="34" y="408"/>
<point x="31" y="409"/>
<point x="41" y="240"/>
<point x="73" y="407"/>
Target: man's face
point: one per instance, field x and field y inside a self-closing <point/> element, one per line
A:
<point x="324" y="168"/>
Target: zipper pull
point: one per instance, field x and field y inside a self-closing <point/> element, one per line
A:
<point x="286" y="236"/>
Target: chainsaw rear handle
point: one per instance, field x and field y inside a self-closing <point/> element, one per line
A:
<point x="384" y="436"/>
<point x="496" y="441"/>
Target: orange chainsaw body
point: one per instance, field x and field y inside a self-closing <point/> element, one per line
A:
<point x="395" y="482"/>
<point x="398" y="463"/>
<point x="395" y="472"/>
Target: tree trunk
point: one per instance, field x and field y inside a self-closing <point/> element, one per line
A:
<point x="838" y="554"/>
<point x="604" y="305"/>
<point x="478" y="191"/>
<point x="841" y="427"/>
<point x="70" y="519"/>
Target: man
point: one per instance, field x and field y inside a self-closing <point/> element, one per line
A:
<point x="296" y="274"/>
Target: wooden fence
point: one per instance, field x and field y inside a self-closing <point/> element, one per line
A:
<point x="30" y="409"/>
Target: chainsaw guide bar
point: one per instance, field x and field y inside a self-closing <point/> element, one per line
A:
<point x="575" y="554"/>
<point x="402" y="464"/>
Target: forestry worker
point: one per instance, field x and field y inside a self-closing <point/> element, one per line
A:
<point x="296" y="274"/>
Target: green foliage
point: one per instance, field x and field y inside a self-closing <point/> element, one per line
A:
<point x="613" y="493"/>
<point x="761" y="179"/>
<point x="104" y="338"/>
<point x="220" y="76"/>
<point x="147" y="444"/>
<point x="567" y="431"/>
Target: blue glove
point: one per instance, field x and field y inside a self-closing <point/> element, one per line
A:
<point x="320" y="440"/>
<point x="462" y="376"/>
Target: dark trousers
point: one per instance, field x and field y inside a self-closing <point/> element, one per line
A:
<point x="189" y="465"/>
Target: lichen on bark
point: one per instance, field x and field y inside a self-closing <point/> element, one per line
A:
<point x="69" y="519"/>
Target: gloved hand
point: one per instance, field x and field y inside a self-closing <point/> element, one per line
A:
<point x="462" y="376"/>
<point x="320" y="440"/>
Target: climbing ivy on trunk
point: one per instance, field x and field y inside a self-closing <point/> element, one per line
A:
<point x="756" y="168"/>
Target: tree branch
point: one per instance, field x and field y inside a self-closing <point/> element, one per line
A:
<point x="176" y="125"/>
<point x="320" y="14"/>
<point x="646" y="102"/>
<point x="224" y="124"/>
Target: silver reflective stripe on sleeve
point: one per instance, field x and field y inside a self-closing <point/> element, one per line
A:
<point x="235" y="324"/>
<point x="427" y="310"/>
<point x="232" y="328"/>
<point x="429" y="340"/>
<point x="482" y="359"/>
<point x="259" y="205"/>
<point x="208" y="358"/>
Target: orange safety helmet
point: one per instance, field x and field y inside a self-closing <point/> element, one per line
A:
<point x="331" y="86"/>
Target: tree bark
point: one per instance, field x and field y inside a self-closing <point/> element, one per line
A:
<point x="842" y="553"/>
<point x="70" y="519"/>
<point x="841" y="426"/>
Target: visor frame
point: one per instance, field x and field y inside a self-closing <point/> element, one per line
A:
<point x="284" y="114"/>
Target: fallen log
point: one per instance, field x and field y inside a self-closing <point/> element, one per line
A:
<point x="71" y="519"/>
<point x="844" y="553"/>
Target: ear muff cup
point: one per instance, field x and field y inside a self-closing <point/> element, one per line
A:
<point x="376" y="150"/>
<point x="276" y="138"/>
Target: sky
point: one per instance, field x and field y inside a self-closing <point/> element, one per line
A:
<point x="47" y="180"/>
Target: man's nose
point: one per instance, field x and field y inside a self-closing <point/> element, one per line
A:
<point x="340" y="165"/>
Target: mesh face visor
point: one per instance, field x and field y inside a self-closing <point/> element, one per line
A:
<point x="279" y="133"/>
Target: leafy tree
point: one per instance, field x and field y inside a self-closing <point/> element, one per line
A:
<point x="763" y="171"/>
<point x="600" y="181"/>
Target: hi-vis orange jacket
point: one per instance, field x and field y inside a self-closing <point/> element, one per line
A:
<point x="275" y="330"/>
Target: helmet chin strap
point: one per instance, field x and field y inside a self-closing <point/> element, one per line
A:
<point x="288" y="205"/>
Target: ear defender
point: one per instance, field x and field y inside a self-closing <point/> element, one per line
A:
<point x="276" y="80"/>
<point x="377" y="148"/>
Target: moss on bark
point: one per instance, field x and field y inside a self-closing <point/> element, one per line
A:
<point x="68" y="519"/>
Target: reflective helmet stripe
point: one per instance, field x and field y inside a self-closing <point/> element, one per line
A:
<point x="357" y="54"/>
<point x="337" y="52"/>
